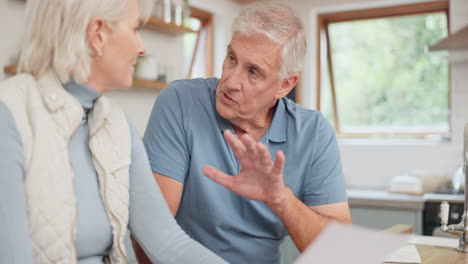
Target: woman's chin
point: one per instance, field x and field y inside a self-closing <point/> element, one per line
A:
<point x="126" y="85"/>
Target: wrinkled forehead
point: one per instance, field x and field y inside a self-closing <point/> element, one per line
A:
<point x="257" y="49"/>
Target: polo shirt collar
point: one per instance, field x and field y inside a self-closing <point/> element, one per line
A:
<point x="277" y="130"/>
<point x="279" y="124"/>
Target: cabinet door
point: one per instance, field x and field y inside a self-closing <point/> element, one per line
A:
<point x="290" y="252"/>
<point x="382" y="218"/>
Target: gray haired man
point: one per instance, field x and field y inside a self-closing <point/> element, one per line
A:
<point x="211" y="144"/>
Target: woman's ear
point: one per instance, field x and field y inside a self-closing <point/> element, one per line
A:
<point x="97" y="35"/>
<point x="287" y="85"/>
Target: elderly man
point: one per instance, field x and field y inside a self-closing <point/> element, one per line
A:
<point x="211" y="143"/>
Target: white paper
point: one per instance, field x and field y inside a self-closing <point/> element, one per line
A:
<point x="435" y="241"/>
<point x="342" y="244"/>
<point x="406" y="254"/>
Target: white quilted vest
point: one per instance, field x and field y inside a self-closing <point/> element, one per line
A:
<point x="47" y="116"/>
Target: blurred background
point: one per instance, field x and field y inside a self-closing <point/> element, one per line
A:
<point x="391" y="76"/>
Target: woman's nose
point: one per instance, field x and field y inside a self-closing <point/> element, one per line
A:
<point x="141" y="46"/>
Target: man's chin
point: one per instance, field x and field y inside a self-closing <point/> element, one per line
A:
<point x="222" y="111"/>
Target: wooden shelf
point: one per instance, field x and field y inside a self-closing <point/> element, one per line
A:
<point x="245" y="1"/>
<point x="12" y="69"/>
<point x="157" y="24"/>
<point x="155" y="85"/>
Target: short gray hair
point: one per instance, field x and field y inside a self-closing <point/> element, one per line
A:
<point x="281" y="25"/>
<point x="55" y="37"/>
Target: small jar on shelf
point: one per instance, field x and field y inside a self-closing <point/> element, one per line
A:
<point x="163" y="10"/>
<point x="177" y="8"/>
<point x="186" y="14"/>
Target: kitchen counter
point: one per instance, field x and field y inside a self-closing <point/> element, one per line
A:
<point x="451" y="198"/>
<point x="384" y="199"/>
<point x="438" y="255"/>
<point x="381" y="209"/>
<point x="437" y="250"/>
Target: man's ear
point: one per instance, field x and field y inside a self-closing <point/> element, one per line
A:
<point x="287" y="85"/>
<point x="97" y="35"/>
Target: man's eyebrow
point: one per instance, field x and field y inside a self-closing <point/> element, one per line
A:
<point x="256" y="67"/>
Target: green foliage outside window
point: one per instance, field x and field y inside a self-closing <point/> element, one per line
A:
<point x="385" y="79"/>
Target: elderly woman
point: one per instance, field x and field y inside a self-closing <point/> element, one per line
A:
<point x="73" y="172"/>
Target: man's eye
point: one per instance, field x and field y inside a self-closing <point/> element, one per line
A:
<point x="252" y="72"/>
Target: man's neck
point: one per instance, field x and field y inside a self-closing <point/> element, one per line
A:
<point x="255" y="128"/>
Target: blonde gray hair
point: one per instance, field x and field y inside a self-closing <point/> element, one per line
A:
<point x="281" y="25"/>
<point x="55" y="37"/>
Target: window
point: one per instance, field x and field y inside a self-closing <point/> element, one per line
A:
<point x="375" y="76"/>
<point x="198" y="48"/>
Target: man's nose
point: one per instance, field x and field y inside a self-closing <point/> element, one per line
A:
<point x="234" y="79"/>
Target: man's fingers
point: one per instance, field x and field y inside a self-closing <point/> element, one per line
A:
<point x="236" y="145"/>
<point x="218" y="176"/>
<point x="264" y="154"/>
<point x="278" y="166"/>
<point x="249" y="144"/>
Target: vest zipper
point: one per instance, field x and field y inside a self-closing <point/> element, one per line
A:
<point x="108" y="208"/>
<point x="75" y="220"/>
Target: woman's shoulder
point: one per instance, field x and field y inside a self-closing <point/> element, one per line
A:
<point x="22" y="79"/>
<point x="17" y="85"/>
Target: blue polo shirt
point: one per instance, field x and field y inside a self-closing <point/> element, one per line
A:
<point x="184" y="133"/>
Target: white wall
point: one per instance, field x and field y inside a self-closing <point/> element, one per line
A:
<point x="224" y="12"/>
<point x="373" y="164"/>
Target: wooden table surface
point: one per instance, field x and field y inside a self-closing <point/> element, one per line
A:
<point x="441" y="255"/>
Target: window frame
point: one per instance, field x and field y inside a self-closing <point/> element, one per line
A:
<point x="327" y="18"/>
<point x="206" y="19"/>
